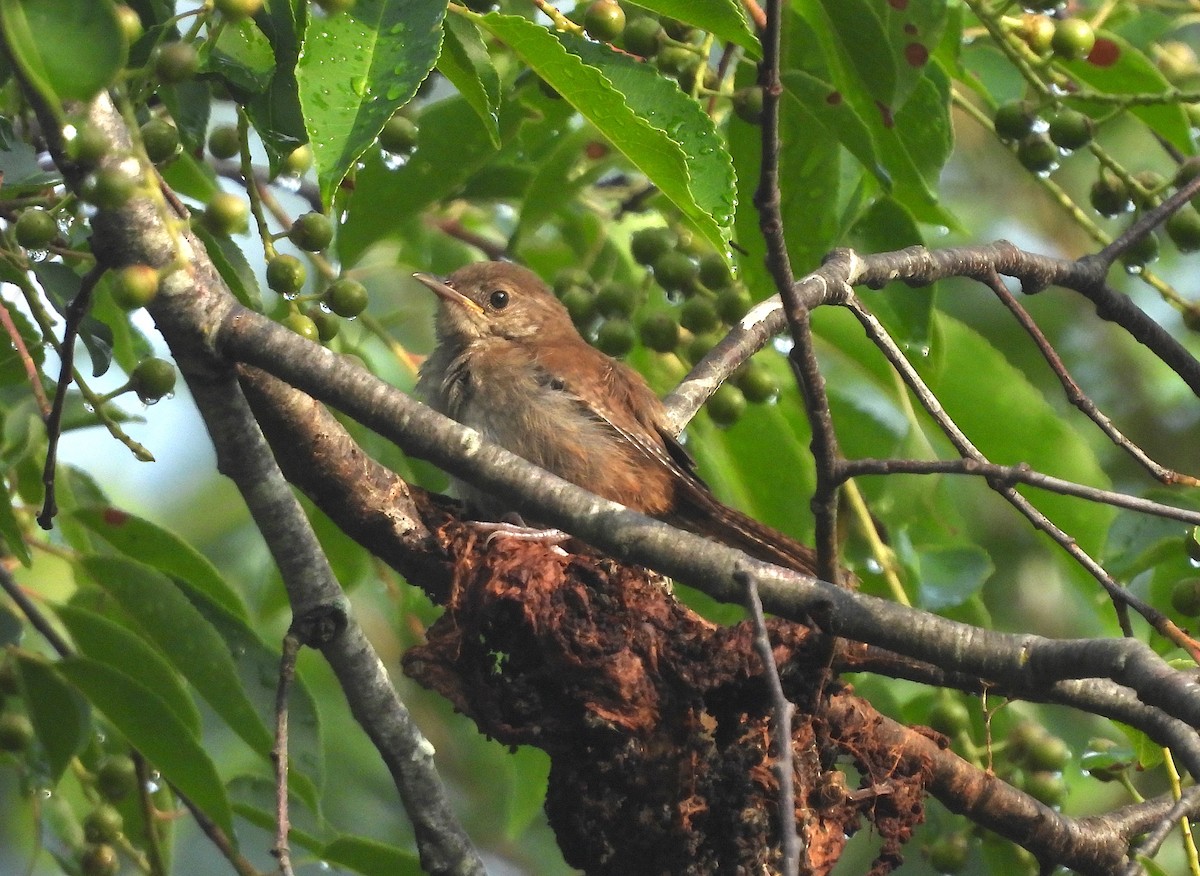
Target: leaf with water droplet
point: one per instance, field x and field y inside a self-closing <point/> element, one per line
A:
<point x="348" y="62"/>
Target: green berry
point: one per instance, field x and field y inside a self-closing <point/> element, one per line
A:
<point x="1191" y="544"/>
<point x="699" y="346"/>
<point x="134" y="286"/>
<point x="748" y="104"/>
<point x="1037" y="154"/>
<point x="1046" y="786"/>
<point x="1184" y="229"/>
<point x="116" y="777"/>
<point x="1109" y="195"/>
<point x="604" y="20"/>
<point x="580" y="304"/>
<point x="35" y="228"/>
<point x="109" y="188"/>
<point x="303" y="326"/>
<point x="99" y="860"/>
<point x="1150" y="185"/>
<point x="152" y="379"/>
<point x="1073" y="38"/>
<point x="103" y="824"/>
<point x="616" y="337"/>
<point x="1048" y="753"/>
<point x="176" y="62"/>
<point x="643" y="36"/>
<point x="286" y="274"/>
<point x="1141" y="252"/>
<point x="226" y="214"/>
<point x="236" y="10"/>
<point x="10" y="685"/>
<point x="733" y="303"/>
<point x="617" y="299"/>
<point x="328" y="325"/>
<point x="675" y="271"/>
<point x="346" y="297"/>
<point x="714" y="271"/>
<point x="298" y="161"/>
<point x="949" y="853"/>
<point x="677" y="60"/>
<point x="647" y="244"/>
<point x="678" y="30"/>
<point x="949" y="715"/>
<point x="698" y="315"/>
<point x="1013" y="120"/>
<point x="1038" y="32"/>
<point x="160" y="139"/>
<point x="399" y="135"/>
<point x="660" y="332"/>
<point x="312" y="232"/>
<point x="1185" y="597"/>
<point x="726" y="405"/>
<point x="129" y="22"/>
<point x="16" y="732"/>
<point x="224" y="141"/>
<point x="88" y="146"/>
<point x="1070" y="129"/>
<point x="756" y="383"/>
<point x="570" y="278"/>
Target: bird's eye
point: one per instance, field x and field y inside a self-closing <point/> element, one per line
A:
<point x="498" y="299"/>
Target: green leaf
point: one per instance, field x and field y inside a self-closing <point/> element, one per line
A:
<point x="906" y="312"/>
<point x="229" y="260"/>
<point x="820" y="101"/>
<point x="724" y="19"/>
<point x="189" y="103"/>
<point x="369" y="856"/>
<point x="188" y="176"/>
<point x="1117" y="67"/>
<point x="161" y="549"/>
<point x="1018" y="425"/>
<point x="275" y="112"/>
<point x="74" y="67"/>
<point x="10" y="528"/>
<point x="356" y="70"/>
<point x="242" y="56"/>
<point x="859" y="32"/>
<point x="452" y="145"/>
<point x="154" y="730"/>
<point x="107" y="642"/>
<point x="659" y="101"/>
<point x="258" y="668"/>
<point x="946" y="574"/>
<point x="60" y="716"/>
<point x="189" y="642"/>
<point x="652" y="150"/>
<point x="912" y="159"/>
<point x="465" y="62"/>
<point x="61" y="285"/>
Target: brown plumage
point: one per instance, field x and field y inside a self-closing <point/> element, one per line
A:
<point x="510" y="364"/>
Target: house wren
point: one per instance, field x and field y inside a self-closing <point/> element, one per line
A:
<point x="510" y="364"/>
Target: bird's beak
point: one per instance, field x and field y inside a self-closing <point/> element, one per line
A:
<point x="445" y="292"/>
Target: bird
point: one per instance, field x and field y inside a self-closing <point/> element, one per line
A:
<point x="510" y="364"/>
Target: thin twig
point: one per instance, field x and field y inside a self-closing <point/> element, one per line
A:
<point x="31" y="369"/>
<point x="1016" y="474"/>
<point x="789" y="840"/>
<point x="37" y="620"/>
<point x="76" y="311"/>
<point x="1075" y="395"/>
<point x="279" y="752"/>
<point x="1122" y="599"/>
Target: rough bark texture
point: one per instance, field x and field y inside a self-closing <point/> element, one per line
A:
<point x="657" y="722"/>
